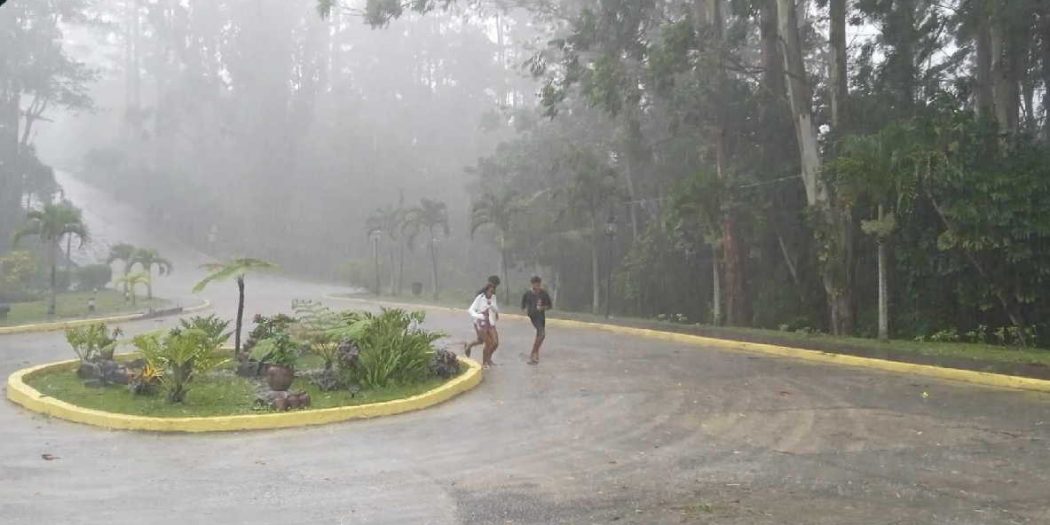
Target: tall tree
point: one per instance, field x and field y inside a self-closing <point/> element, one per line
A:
<point x="431" y="217"/>
<point x="51" y="224"/>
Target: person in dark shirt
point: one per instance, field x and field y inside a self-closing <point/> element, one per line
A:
<point x="536" y="302"/>
<point x="493" y="281"/>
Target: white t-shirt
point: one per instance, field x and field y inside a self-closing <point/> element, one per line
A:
<point x="484" y="304"/>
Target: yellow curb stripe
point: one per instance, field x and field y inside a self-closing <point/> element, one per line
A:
<point x="814" y="356"/>
<point x="62" y="325"/>
<point x="21" y="393"/>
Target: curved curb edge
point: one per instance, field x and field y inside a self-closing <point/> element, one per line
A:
<point x="815" y="356"/>
<point x="62" y="325"/>
<point x="28" y="397"/>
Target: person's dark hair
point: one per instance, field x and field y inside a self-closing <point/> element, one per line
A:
<point x="494" y="280"/>
<point x="535" y="279"/>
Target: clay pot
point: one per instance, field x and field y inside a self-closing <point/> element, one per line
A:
<point x="293" y="402"/>
<point x="280" y="404"/>
<point x="279" y="377"/>
<point x="304" y="399"/>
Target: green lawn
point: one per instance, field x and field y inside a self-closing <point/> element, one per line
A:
<point x="74" y="305"/>
<point x="968" y="355"/>
<point x="219" y="394"/>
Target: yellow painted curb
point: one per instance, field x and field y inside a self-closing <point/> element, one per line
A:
<point x="21" y="393"/>
<point x="62" y="325"/>
<point x="815" y="356"/>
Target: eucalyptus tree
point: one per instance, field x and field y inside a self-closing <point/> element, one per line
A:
<point x="37" y="76"/>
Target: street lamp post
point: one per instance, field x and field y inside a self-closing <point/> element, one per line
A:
<point x="610" y="235"/>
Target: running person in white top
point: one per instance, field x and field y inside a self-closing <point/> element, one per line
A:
<point x="480" y="337"/>
<point x="485" y="313"/>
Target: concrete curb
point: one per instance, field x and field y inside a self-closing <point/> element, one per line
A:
<point x="815" y="356"/>
<point x="62" y="325"/>
<point x="22" y="394"/>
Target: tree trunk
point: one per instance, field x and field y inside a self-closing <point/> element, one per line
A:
<point x="837" y="67"/>
<point x="772" y="61"/>
<point x="596" y="279"/>
<point x="734" y="261"/>
<point x="800" y="97"/>
<point x="1044" y="38"/>
<point x="832" y="228"/>
<point x="52" y="255"/>
<point x="503" y="270"/>
<point x="983" y="75"/>
<point x="1005" y="87"/>
<point x="69" y="254"/>
<point x="10" y="179"/>
<point x="240" y="316"/>
<point x="433" y="267"/>
<point x="401" y="266"/>
<point x="716" y="288"/>
<point x="884" y="290"/>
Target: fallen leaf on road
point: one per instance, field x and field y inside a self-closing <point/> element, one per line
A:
<point x="49" y="457"/>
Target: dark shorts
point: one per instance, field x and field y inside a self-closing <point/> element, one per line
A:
<point x="540" y="323"/>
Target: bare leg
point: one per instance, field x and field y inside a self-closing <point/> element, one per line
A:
<point x="535" y="356"/>
<point x="494" y="337"/>
<point x="478" y="341"/>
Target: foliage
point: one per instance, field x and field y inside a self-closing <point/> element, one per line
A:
<point x="16" y="271"/>
<point x="277" y="349"/>
<point x="394" y="349"/>
<point x="179" y="357"/>
<point x="317" y="326"/>
<point x="93" y="342"/>
<point x="212" y="326"/>
<point x="266" y="327"/>
<point x="132" y="280"/>
<point x="93" y="277"/>
<point x="233" y="269"/>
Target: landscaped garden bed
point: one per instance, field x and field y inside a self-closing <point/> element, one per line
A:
<point x="313" y="359"/>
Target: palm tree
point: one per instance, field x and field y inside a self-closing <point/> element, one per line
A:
<point x="497" y="211"/>
<point x="430" y="214"/>
<point x="123" y="252"/>
<point x="131" y="282"/>
<point x="50" y="225"/>
<point x="235" y="269"/>
<point x="148" y="258"/>
<point x="387" y="222"/>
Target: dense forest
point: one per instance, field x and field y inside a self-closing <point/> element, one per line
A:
<point x="868" y="167"/>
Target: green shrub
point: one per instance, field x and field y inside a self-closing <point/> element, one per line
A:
<point x="178" y="358"/>
<point x="93" y="277"/>
<point x="93" y="342"/>
<point x="211" y="325"/>
<point x="278" y="349"/>
<point x="393" y="348"/>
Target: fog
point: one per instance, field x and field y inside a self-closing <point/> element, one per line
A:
<point x="708" y="162"/>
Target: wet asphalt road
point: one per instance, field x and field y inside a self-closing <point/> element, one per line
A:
<point x="608" y="429"/>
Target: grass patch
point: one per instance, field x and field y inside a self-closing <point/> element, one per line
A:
<point x="74" y="305"/>
<point x="221" y="393"/>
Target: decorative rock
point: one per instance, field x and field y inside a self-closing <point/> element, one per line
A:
<point x="103" y="372"/>
<point x="282" y="400"/>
